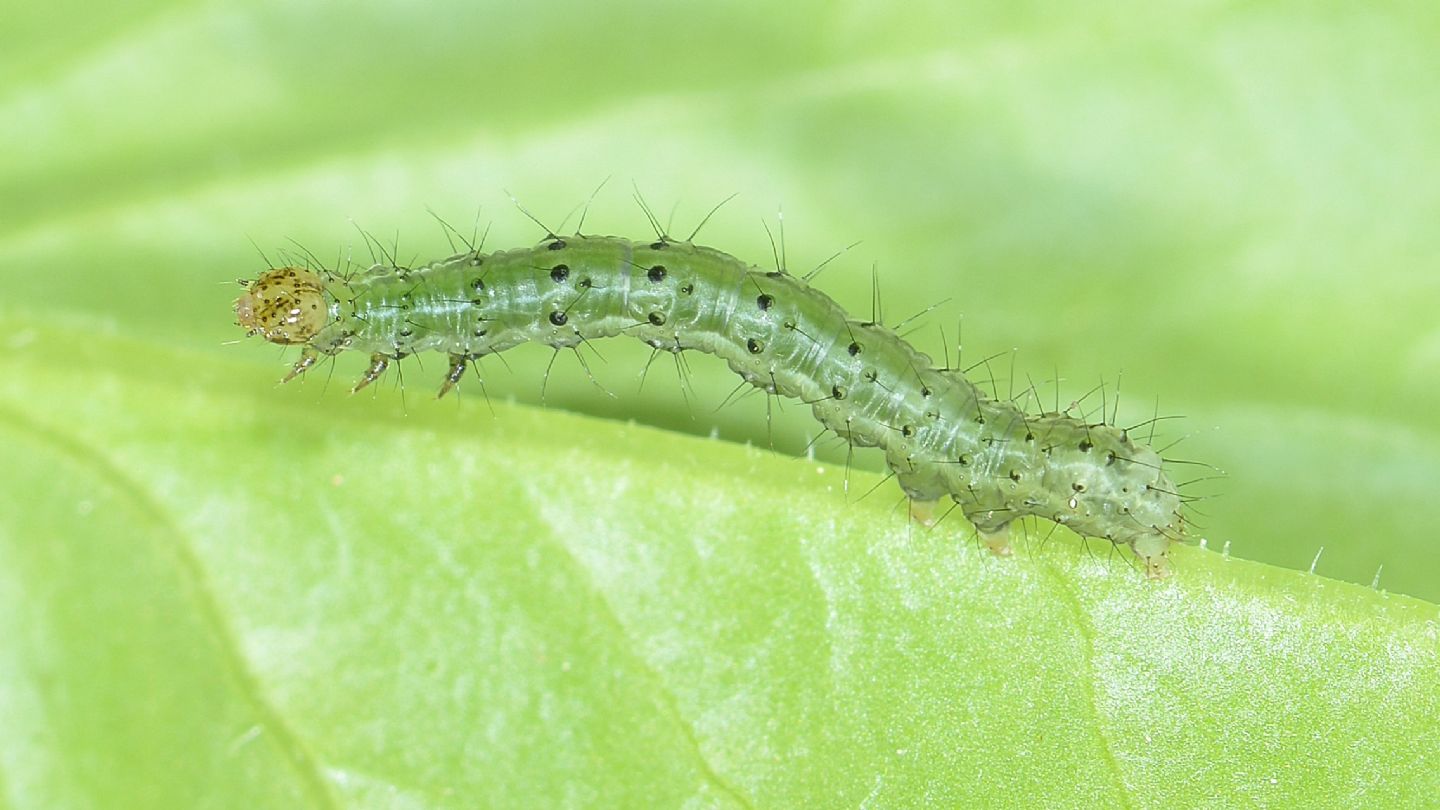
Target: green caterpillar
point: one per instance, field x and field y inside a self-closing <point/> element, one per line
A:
<point x="941" y="435"/>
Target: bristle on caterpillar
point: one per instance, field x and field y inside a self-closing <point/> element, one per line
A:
<point x="941" y="435"/>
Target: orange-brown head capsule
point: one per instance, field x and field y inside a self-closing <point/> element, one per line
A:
<point x="285" y="305"/>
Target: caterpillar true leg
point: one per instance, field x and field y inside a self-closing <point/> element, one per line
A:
<point x="378" y="364"/>
<point x="458" y="364"/>
<point x="308" y="358"/>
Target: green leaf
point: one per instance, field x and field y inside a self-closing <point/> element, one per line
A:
<point x="251" y="597"/>
<point x="1232" y="205"/>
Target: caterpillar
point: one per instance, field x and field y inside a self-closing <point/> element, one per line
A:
<point x="941" y="435"/>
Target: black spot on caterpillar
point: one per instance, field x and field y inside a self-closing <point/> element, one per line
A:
<point x="941" y="435"/>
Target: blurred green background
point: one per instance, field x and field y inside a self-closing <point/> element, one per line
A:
<point x="1233" y="204"/>
<point x="215" y="591"/>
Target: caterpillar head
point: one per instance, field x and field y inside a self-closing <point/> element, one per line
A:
<point x="284" y="305"/>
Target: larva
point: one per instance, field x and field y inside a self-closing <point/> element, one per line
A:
<point x="941" y="435"/>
